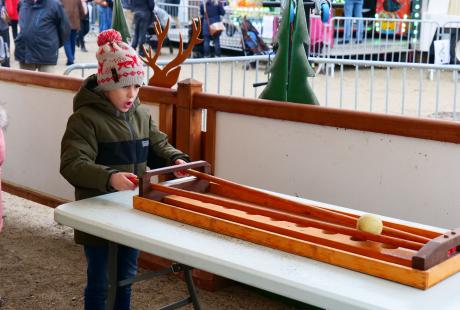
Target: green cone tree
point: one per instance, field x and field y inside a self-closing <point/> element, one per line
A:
<point x="119" y="21"/>
<point x="290" y="68"/>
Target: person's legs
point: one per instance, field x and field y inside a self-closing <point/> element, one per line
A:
<point x="348" y="13"/>
<point x="358" y="12"/>
<point x="46" y="68"/>
<point x="101" y="12"/>
<point x="14" y="27"/>
<point x="84" y="29"/>
<point x="105" y="18"/>
<point x="97" y="279"/>
<point x="6" y="38"/>
<point x="144" y="25"/>
<point x="137" y="24"/>
<point x="30" y="67"/>
<point x="126" y="269"/>
<point x="206" y="39"/>
<point x="216" y="41"/>
<point x="69" y="47"/>
<point x="73" y="39"/>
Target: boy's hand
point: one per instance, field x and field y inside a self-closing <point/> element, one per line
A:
<point x="122" y="181"/>
<point x="182" y="173"/>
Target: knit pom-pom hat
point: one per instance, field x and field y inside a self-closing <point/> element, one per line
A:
<point x="118" y="63"/>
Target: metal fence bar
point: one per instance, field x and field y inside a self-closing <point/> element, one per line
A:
<point x="371" y="99"/>
<point x="454" y="105"/>
<point x="380" y="82"/>
<point x="356" y="86"/>
<point x="420" y="93"/>
<point x="403" y="96"/>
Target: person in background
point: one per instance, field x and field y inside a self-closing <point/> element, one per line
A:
<point x="84" y="28"/>
<point x="75" y="12"/>
<point x="3" y="123"/>
<point x="105" y="14"/>
<point x="211" y="13"/>
<point x="5" y="34"/>
<point x="44" y="27"/>
<point x="143" y="17"/>
<point x="12" y="9"/>
<point x="353" y="8"/>
<point x="106" y="112"/>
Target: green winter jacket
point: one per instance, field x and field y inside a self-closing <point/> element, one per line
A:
<point x="100" y="140"/>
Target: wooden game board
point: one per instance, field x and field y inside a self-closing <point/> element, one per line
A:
<point x="405" y="254"/>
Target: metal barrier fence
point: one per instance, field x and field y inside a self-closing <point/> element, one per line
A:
<point x="385" y="65"/>
<point x="375" y="86"/>
<point x="392" y="40"/>
<point x="182" y="14"/>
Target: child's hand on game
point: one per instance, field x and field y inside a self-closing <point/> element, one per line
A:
<point x="122" y="181"/>
<point x="181" y="173"/>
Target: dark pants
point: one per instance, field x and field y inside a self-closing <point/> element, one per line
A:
<point x="206" y="47"/>
<point x="69" y="46"/>
<point x="84" y="29"/>
<point x="6" y="38"/>
<point x="14" y="27"/>
<point x="142" y="21"/>
<point x="97" y="274"/>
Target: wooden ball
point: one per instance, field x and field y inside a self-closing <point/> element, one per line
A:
<point x="370" y="223"/>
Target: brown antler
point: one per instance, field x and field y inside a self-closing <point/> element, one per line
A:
<point x="169" y="74"/>
<point x="182" y="56"/>
<point x="161" y="36"/>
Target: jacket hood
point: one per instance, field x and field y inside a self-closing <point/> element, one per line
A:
<point x="89" y="95"/>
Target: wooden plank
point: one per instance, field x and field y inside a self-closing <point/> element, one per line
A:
<point x="378" y="268"/>
<point x="318" y="236"/>
<point x="257" y="196"/>
<point x="422" y="128"/>
<point x="279" y="215"/>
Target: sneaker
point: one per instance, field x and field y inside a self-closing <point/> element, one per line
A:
<point x="84" y="50"/>
<point x="69" y="63"/>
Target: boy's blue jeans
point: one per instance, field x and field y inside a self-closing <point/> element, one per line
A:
<point x="97" y="276"/>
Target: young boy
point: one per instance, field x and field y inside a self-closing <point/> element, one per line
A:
<point x="107" y="141"/>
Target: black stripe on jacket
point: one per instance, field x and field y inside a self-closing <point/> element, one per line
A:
<point x="123" y="153"/>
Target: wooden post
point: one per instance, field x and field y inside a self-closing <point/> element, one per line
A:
<point x="166" y="123"/>
<point x="188" y="119"/>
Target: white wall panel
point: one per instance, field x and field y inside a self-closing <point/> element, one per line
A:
<point x="37" y="120"/>
<point x="407" y="178"/>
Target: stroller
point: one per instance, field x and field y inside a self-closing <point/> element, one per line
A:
<point x="252" y="43"/>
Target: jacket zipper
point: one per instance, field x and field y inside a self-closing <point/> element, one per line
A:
<point x="131" y="131"/>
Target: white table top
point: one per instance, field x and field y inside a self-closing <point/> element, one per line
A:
<point x="112" y="217"/>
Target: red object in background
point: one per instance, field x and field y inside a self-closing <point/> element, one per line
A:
<point x="392" y="9"/>
<point x="12" y="9"/>
<point x="321" y="33"/>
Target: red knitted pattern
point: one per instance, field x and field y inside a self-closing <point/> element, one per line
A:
<point x="108" y="36"/>
<point x="108" y="79"/>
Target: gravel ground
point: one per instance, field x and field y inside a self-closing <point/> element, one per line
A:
<point x="42" y="268"/>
